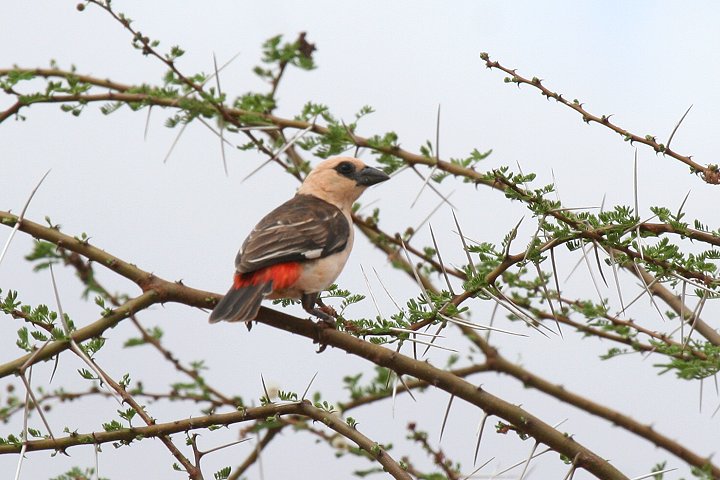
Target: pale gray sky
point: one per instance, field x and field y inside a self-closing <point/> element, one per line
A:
<point x="643" y="61"/>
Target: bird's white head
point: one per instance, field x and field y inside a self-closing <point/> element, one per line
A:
<point x="340" y="181"/>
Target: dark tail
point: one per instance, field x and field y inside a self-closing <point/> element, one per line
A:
<point x="240" y="304"/>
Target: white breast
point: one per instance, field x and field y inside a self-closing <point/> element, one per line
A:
<point x="319" y="274"/>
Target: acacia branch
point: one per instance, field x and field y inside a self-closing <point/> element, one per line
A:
<point x="628" y="340"/>
<point x="242" y="118"/>
<point x="385" y="242"/>
<point x="176" y="292"/>
<point x="95" y="329"/>
<point x="495" y="362"/>
<point x="157" y="290"/>
<point x="372" y="448"/>
<point x="255" y="454"/>
<point x="409" y="385"/>
<point x="403" y="365"/>
<point x="193" y="471"/>
<point x="676" y="304"/>
<point x="709" y="173"/>
<point x="164" y="430"/>
<point x="500" y="364"/>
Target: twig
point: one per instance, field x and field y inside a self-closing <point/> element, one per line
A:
<point x="709" y="175"/>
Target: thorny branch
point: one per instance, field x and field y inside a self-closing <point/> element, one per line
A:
<point x="493" y="179"/>
<point x="496" y="362"/>
<point x="710" y="173"/>
<point x="449" y="167"/>
<point x="159" y="290"/>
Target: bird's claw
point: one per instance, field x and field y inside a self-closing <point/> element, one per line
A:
<point x="325" y="321"/>
<point x="327" y="309"/>
<point x="325" y="317"/>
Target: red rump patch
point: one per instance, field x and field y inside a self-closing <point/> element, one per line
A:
<point x="281" y="275"/>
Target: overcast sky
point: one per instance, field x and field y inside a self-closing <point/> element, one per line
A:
<point x="645" y="62"/>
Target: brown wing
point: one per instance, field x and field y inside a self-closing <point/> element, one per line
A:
<point x="303" y="228"/>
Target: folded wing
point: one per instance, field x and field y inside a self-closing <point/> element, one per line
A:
<point x="303" y="228"/>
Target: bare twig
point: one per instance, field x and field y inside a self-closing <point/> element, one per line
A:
<point x="708" y="173"/>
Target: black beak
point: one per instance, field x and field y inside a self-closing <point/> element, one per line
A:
<point x="370" y="176"/>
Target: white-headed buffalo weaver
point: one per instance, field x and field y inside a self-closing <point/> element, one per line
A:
<point x="300" y="248"/>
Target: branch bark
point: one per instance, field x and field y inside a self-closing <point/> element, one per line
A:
<point x="159" y="290"/>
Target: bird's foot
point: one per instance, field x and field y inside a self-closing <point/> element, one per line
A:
<point x="325" y="321"/>
<point x="313" y="304"/>
<point x="327" y="309"/>
<point x="325" y="318"/>
<point x="323" y="324"/>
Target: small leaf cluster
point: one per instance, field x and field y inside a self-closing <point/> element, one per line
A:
<point x="11" y="404"/>
<point x="383" y="147"/>
<point x="690" y="367"/>
<point x="338" y="136"/>
<point x="197" y="388"/>
<point x="275" y="52"/>
<point x="154" y="332"/>
<point x="468" y="162"/>
<point x="68" y="85"/>
<point x="378" y="385"/>
<point x="45" y="254"/>
<point x="222" y="474"/>
<point x="348" y="298"/>
<point x="76" y="473"/>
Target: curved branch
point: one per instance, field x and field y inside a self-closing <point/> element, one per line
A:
<point x="128" y="435"/>
<point x="495" y="362"/>
<point x="372" y="448"/>
<point x="80" y="335"/>
<point x="158" y="290"/>
<point x="235" y="117"/>
<point x="500" y="364"/>
<point x="403" y="365"/>
<point x="710" y="173"/>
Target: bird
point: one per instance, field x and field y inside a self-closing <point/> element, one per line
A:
<point x="298" y="249"/>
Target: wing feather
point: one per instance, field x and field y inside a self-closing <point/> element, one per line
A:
<point x="302" y="228"/>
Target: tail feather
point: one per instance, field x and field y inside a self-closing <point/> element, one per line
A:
<point x="241" y="304"/>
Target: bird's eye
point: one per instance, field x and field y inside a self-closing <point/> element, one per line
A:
<point x="345" y="168"/>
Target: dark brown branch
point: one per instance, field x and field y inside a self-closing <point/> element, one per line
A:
<point x="372" y="448"/>
<point x="158" y="290"/>
<point x="497" y="363"/>
<point x="403" y="365"/>
<point x="93" y="330"/>
<point x="255" y="454"/>
<point x="500" y="364"/>
<point x="710" y="173"/>
<point x="164" y="430"/>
